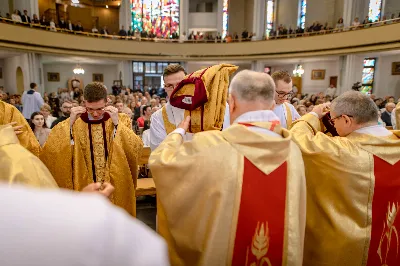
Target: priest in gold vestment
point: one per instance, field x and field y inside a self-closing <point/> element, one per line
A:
<point x="234" y="197"/>
<point x="353" y="185"/>
<point x="10" y="114"/>
<point x="96" y="144"/>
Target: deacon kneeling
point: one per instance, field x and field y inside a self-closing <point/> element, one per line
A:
<point x="234" y="197"/>
<point x="353" y="183"/>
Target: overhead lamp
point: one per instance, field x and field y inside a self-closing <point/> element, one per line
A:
<point x="119" y="4"/>
<point x="298" y="71"/>
<point x="78" y="70"/>
<point x="75" y="1"/>
<point x="106" y="6"/>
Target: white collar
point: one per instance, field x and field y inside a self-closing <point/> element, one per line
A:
<point x="377" y="130"/>
<point x="257" y="116"/>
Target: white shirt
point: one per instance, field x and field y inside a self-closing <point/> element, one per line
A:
<point x="157" y="127"/>
<point x="16" y="18"/>
<point x="330" y="91"/>
<point x="49" y="120"/>
<point x="281" y="113"/>
<point x="146" y="138"/>
<point x="31" y="103"/>
<point x="378" y="131"/>
<point x="393" y="118"/>
<point x="63" y="228"/>
<point x="253" y="116"/>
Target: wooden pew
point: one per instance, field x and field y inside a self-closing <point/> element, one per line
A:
<point x="145" y="186"/>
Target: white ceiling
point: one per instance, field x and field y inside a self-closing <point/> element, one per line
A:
<point x="50" y="59"/>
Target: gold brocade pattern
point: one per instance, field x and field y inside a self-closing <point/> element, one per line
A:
<point x="259" y="246"/>
<point x="73" y="169"/>
<point x="388" y="230"/>
<point x="27" y="139"/>
<point x="19" y="166"/>
<point x="99" y="152"/>
<point x="169" y="127"/>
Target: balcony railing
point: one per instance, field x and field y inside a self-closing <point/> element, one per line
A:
<point x="168" y="40"/>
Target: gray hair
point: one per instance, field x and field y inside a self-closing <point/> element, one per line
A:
<point x="253" y="86"/>
<point x="356" y="104"/>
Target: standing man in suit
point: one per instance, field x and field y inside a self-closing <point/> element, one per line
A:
<point x="62" y="24"/>
<point x="386" y="115"/>
<point x="25" y="17"/>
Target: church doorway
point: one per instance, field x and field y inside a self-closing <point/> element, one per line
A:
<point x="20" y="81"/>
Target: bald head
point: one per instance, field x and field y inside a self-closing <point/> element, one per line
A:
<point x="251" y="86"/>
<point x="250" y="91"/>
<point x="390" y="106"/>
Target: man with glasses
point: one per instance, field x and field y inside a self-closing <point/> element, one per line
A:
<point x="285" y="111"/>
<point x="96" y="144"/>
<point x="353" y="184"/>
<point x="66" y="112"/>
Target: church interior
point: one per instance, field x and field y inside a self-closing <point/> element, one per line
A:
<point x="58" y="49"/>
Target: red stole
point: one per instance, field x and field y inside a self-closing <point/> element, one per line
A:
<point x="260" y="229"/>
<point x="384" y="246"/>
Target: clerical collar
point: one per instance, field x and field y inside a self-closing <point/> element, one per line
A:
<point x="87" y="118"/>
<point x="257" y="116"/>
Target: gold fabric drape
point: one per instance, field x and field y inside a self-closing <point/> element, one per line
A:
<point x="27" y="139"/>
<point x="199" y="187"/>
<point x="71" y="165"/>
<point x="340" y="185"/>
<point x="216" y="82"/>
<point x="19" y="166"/>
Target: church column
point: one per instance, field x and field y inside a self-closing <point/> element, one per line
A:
<point x="350" y="71"/>
<point x="259" y="18"/>
<point x="219" y="15"/>
<point x="257" y="66"/>
<point x="183" y="18"/>
<point x="125" y="15"/>
<point x="125" y="73"/>
<point x="353" y="9"/>
<point x="34" y="69"/>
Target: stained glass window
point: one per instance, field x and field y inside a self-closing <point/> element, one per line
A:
<point x="303" y="10"/>
<point x="368" y="75"/>
<point x="160" y="17"/>
<point x="270" y="16"/>
<point x="375" y="7"/>
<point x="225" y="17"/>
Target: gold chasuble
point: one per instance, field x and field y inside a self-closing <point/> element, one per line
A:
<point x="353" y="196"/>
<point x="27" y="139"/>
<point x="233" y="197"/>
<point x="95" y="155"/>
<point x="19" y="166"/>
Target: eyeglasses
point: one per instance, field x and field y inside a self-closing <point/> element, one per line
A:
<point x="332" y="120"/>
<point x="91" y="111"/>
<point x="169" y="86"/>
<point x="282" y="94"/>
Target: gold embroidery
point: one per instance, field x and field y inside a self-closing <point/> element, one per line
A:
<point x="260" y="245"/>
<point x="169" y="127"/>
<point x="388" y="229"/>
<point x="99" y="152"/>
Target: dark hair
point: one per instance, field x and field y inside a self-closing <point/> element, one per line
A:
<point x="172" y="69"/>
<point x="146" y="125"/>
<point x="32" y="125"/>
<point x="281" y="75"/>
<point x="32" y="85"/>
<point x="95" y="92"/>
<point x="145" y="108"/>
<point x="163" y="99"/>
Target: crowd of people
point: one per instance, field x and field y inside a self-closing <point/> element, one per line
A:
<point x="285" y="186"/>
<point x="280" y="31"/>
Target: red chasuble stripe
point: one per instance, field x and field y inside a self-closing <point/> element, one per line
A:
<point x="261" y="222"/>
<point x="384" y="246"/>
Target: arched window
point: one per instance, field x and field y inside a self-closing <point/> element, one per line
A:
<point x="225" y="17"/>
<point x="302" y="16"/>
<point x="270" y="15"/>
<point x="375" y="8"/>
<point x="160" y="17"/>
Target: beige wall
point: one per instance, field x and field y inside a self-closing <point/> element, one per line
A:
<point x="339" y="10"/>
<point x="44" y="5"/>
<point x="109" y="17"/>
<point x="287" y="13"/>
<point x="249" y="15"/>
<point x="35" y="40"/>
<point x="321" y="11"/>
<point x="236" y="16"/>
